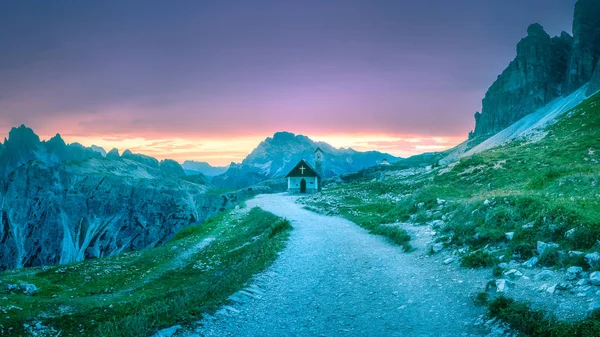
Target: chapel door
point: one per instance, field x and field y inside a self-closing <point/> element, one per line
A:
<point x="302" y="186"/>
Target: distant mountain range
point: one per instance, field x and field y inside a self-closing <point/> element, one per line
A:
<point x="195" y="167"/>
<point x="275" y="157"/>
<point x="61" y="203"/>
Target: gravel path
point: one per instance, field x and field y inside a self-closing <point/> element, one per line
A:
<point x="335" y="279"/>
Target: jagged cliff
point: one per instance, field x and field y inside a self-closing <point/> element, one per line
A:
<point x="61" y="203"/>
<point x="545" y="68"/>
<point x="586" y="44"/>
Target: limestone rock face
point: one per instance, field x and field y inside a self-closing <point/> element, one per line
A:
<point x="531" y="80"/>
<point x="545" y="68"/>
<point x="96" y="208"/>
<point x="586" y="44"/>
<point x="113" y="154"/>
<point x="595" y="82"/>
<point x="62" y="203"/>
<point x="171" y="168"/>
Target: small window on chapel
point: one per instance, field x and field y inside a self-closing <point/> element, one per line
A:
<point x="311" y="182"/>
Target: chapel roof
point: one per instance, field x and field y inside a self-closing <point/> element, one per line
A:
<point x="307" y="170"/>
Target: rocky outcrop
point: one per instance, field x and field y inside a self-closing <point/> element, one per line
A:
<point x="586" y="44"/>
<point x="62" y="203"/>
<point x="172" y="168"/>
<point x="532" y="79"/>
<point x="96" y="208"/>
<point x="140" y="158"/>
<point x="595" y="82"/>
<point x="113" y="154"/>
<point x="545" y="68"/>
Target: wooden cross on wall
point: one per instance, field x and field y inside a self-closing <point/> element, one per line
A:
<point x="302" y="169"/>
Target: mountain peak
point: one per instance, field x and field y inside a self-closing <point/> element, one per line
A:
<point x="283" y="136"/>
<point x="113" y="154"/>
<point x="22" y="136"/>
<point x="57" y="140"/>
<point x="537" y="30"/>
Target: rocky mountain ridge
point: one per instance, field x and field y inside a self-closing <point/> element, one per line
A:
<point x="62" y="203"/>
<point x="544" y="69"/>
<point x="275" y="157"/>
<point x="195" y="167"/>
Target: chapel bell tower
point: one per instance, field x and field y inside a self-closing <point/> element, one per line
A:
<point x="319" y="164"/>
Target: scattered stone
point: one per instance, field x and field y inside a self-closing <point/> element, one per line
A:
<point x="438" y="247"/>
<point x="543" y="246"/>
<point x="503" y="265"/>
<point x="509" y="235"/>
<point x="595" y="278"/>
<point x="595" y="305"/>
<point x="436" y="223"/>
<point x="513" y="264"/>
<point x="562" y="286"/>
<point x="502" y="285"/>
<point x="528" y="225"/>
<point x="531" y="262"/>
<point x="582" y="282"/>
<point x="574" y="253"/>
<point x="573" y="272"/>
<point x="513" y="273"/>
<point x="448" y="260"/>
<point x="551" y="289"/>
<point x="420" y="205"/>
<point x="487" y="202"/>
<point x="441" y="201"/>
<point x="569" y="234"/>
<point x="544" y="275"/>
<point x="593" y="259"/>
<point x="168" y="332"/>
<point x="26" y="288"/>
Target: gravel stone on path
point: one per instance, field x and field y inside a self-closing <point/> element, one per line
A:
<point x="335" y="279"/>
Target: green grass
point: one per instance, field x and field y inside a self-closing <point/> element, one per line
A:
<point x="547" y="191"/>
<point x="530" y="322"/>
<point x="136" y="293"/>
<point x="553" y="185"/>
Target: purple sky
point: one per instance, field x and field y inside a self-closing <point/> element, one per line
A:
<point x="212" y="77"/>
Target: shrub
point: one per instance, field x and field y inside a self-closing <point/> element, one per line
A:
<point x="497" y="271"/>
<point x="478" y="259"/>
<point x="536" y="323"/>
<point x="278" y="227"/>
<point x="583" y="238"/>
<point x="481" y="298"/>
<point x="550" y="258"/>
<point x="398" y="235"/>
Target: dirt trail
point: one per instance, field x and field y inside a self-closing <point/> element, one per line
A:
<point x="335" y="279"/>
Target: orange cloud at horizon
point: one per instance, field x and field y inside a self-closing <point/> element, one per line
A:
<point x="223" y="151"/>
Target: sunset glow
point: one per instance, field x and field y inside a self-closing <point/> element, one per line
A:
<point x="174" y="81"/>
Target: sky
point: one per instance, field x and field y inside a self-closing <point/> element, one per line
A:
<point x="208" y="80"/>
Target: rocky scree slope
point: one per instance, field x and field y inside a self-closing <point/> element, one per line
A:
<point x="545" y="68"/>
<point x="275" y="157"/>
<point x="62" y="203"/>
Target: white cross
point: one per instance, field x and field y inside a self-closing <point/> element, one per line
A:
<point x="302" y="169"/>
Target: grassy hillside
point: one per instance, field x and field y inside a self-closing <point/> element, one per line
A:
<point x="545" y="190"/>
<point x="538" y="190"/>
<point x="136" y="293"/>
